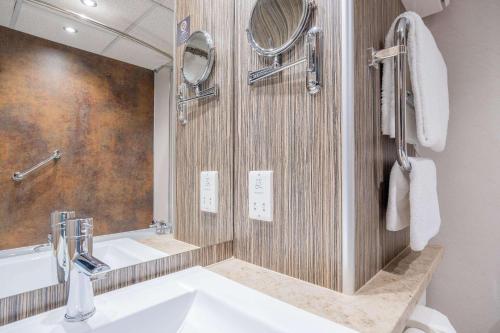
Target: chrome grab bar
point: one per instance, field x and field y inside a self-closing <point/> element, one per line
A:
<point x="20" y="175"/>
<point x="398" y="52"/>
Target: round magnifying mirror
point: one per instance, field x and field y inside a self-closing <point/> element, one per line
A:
<point x="198" y="58"/>
<point x="275" y="25"/>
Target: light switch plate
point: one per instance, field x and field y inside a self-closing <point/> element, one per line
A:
<point x="260" y="195"/>
<point x="209" y="191"/>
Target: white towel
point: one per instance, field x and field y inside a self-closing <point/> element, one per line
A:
<point x="413" y="201"/>
<point x="398" y="207"/>
<point x="429" y="80"/>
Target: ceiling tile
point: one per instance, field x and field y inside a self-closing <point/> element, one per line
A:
<point x="133" y="53"/>
<point x="157" y="28"/>
<point x="6" y="8"/>
<point x="45" y="24"/>
<point x="119" y="14"/>
<point x="167" y="3"/>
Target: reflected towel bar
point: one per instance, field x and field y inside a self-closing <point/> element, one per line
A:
<point x="398" y="53"/>
<point x="20" y="175"/>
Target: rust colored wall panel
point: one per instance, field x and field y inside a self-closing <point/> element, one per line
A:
<point x="98" y="112"/>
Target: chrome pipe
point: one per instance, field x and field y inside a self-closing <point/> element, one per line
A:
<point x="20" y="175"/>
<point x="98" y="24"/>
<point x="400" y="37"/>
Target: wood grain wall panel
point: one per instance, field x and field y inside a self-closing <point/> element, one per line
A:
<point x="206" y="141"/>
<point x="30" y="303"/>
<point x="375" y="154"/>
<point x="99" y="112"/>
<point x="280" y="127"/>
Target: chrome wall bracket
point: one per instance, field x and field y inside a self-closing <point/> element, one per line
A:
<point x="377" y="56"/>
<point x="183" y="98"/>
<point x="313" y="58"/>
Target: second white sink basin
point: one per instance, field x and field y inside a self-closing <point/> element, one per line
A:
<point x="16" y="272"/>
<point x="191" y="301"/>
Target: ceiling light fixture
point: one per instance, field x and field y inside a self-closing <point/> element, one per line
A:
<point x="90" y="3"/>
<point x="70" y="30"/>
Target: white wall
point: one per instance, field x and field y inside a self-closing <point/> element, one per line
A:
<point x="466" y="286"/>
<point x="162" y="145"/>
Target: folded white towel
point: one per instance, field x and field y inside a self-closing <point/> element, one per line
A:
<point x="397" y="216"/>
<point x="429" y="80"/>
<point x="413" y="201"/>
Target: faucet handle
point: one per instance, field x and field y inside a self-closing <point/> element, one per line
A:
<point x="161" y="226"/>
<point x="91" y="266"/>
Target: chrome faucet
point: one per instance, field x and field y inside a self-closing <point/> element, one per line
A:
<point x="72" y="246"/>
<point x="59" y="241"/>
<point x="161" y="227"/>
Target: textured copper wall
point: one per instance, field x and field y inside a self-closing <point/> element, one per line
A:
<point x="99" y="112"/>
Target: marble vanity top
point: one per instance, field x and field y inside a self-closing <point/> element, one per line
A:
<point x="381" y="306"/>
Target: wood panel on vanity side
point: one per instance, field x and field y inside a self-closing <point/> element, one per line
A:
<point x="280" y="127"/>
<point x="205" y="143"/>
<point x="375" y="154"/>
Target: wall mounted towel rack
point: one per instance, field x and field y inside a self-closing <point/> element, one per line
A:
<point x="20" y="175"/>
<point x="398" y="53"/>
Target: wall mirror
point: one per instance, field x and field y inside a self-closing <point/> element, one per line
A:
<point x="274" y="27"/>
<point x="198" y="59"/>
<point x="87" y="128"/>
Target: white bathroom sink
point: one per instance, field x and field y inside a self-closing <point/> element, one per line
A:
<point x="191" y="301"/>
<point x="16" y="272"/>
<point x="123" y="252"/>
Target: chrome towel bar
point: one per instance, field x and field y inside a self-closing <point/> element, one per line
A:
<point x="20" y="175"/>
<point x="398" y="53"/>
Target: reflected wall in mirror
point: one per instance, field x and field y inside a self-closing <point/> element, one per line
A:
<point x="198" y="58"/>
<point x="105" y="100"/>
<point x="276" y="24"/>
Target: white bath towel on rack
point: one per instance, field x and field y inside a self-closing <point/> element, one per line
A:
<point x="429" y="80"/>
<point x="413" y="201"/>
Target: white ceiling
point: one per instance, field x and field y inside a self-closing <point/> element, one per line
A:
<point x="149" y="20"/>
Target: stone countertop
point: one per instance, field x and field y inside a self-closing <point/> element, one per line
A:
<point x="382" y="305"/>
<point x="166" y="243"/>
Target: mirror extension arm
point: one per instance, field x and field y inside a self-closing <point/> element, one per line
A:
<point x="313" y="58"/>
<point x="182" y="99"/>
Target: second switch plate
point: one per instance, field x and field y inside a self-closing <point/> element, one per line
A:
<point x="209" y="191"/>
<point x="260" y="195"/>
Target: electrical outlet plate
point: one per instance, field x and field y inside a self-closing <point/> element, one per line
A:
<point x="260" y="194"/>
<point x="209" y="191"/>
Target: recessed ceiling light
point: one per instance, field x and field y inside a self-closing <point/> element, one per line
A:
<point x="90" y="3"/>
<point x="70" y="30"/>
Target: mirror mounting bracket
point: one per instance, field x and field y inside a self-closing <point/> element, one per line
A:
<point x="313" y="58"/>
<point x="183" y="98"/>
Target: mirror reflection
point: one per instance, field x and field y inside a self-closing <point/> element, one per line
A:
<point x="86" y="132"/>
<point x="274" y="23"/>
<point x="197" y="58"/>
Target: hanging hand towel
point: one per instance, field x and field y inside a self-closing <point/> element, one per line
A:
<point x="429" y="80"/>
<point x="397" y="216"/>
<point x="413" y="201"/>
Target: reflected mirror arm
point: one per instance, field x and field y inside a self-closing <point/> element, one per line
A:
<point x="199" y="94"/>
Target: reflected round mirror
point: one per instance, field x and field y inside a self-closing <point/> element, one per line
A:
<point x="198" y="58"/>
<point x="276" y="24"/>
